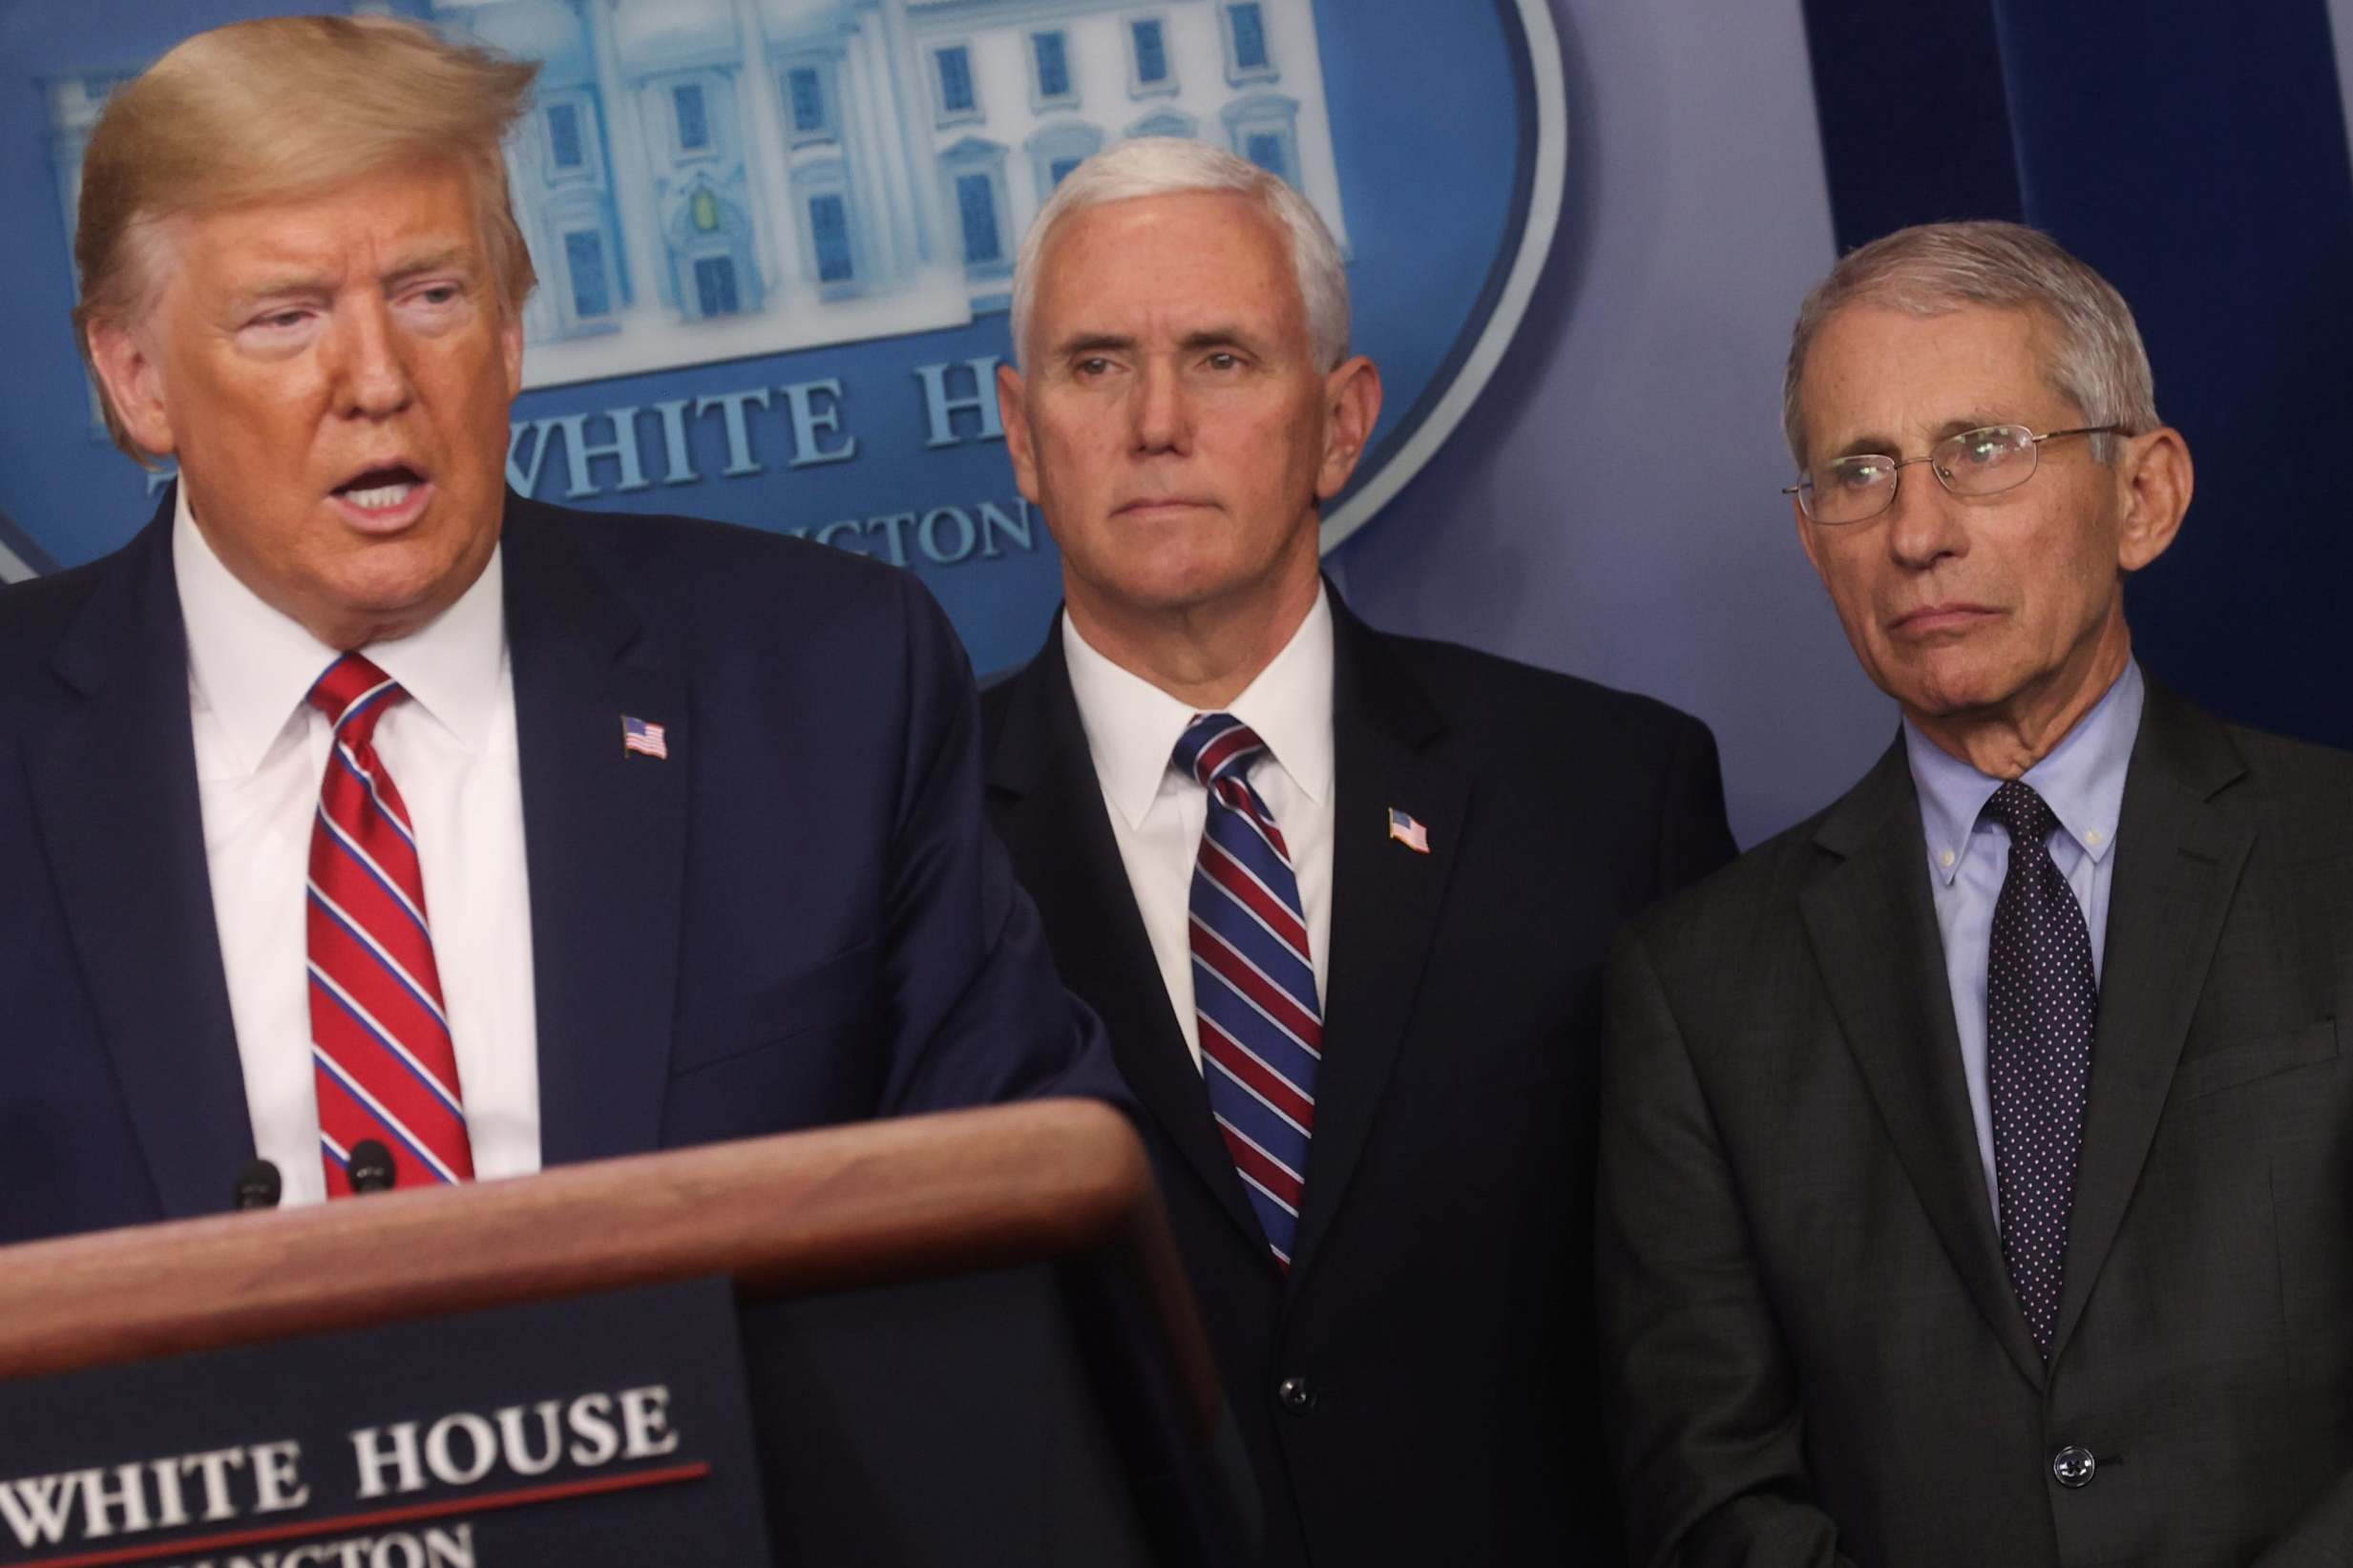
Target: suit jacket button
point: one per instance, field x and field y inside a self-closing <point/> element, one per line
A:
<point x="2073" y="1467"/>
<point x="1297" y="1394"/>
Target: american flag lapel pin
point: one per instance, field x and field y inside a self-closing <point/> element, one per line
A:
<point x="644" y="739"/>
<point x="1403" y="829"/>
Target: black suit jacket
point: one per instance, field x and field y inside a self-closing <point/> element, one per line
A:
<point x="1438" y="1307"/>
<point x="796" y="919"/>
<point x="1817" y="1355"/>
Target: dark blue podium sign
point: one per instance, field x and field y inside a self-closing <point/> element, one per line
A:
<point x="602" y="1432"/>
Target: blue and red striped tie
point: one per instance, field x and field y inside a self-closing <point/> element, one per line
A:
<point x="380" y="1037"/>
<point x="1262" y="1032"/>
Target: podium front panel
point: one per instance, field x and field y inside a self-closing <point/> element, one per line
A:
<point x="606" y="1431"/>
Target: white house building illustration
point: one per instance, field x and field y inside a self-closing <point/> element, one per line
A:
<point x="710" y="179"/>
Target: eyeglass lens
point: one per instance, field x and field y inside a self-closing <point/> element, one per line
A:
<point x="1979" y="462"/>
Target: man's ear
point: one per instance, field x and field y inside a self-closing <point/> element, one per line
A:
<point x="1013" y="411"/>
<point x="1806" y="540"/>
<point x="1352" y="408"/>
<point x="2158" y="479"/>
<point x="511" y="349"/>
<point x="133" y="385"/>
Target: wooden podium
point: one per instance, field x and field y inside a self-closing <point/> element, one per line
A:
<point x="966" y="1337"/>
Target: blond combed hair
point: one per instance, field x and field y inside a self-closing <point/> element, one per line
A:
<point x="279" y="110"/>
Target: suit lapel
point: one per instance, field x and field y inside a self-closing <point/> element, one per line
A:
<point x="1874" y="934"/>
<point x="2179" y="862"/>
<point x="114" y="784"/>
<point x="1055" y="822"/>
<point x="1385" y="901"/>
<point x="604" y="841"/>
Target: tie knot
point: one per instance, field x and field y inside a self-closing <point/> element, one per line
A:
<point x="2016" y="806"/>
<point x="353" y="695"/>
<point x="1217" y="745"/>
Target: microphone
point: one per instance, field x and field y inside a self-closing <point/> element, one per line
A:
<point x="258" y="1186"/>
<point x="371" y="1166"/>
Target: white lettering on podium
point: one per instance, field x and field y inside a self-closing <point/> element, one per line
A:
<point x="589" y="1421"/>
<point x="366" y="1447"/>
<point x="481" y="1450"/>
<point x="645" y="1414"/>
<point x="127" y="1496"/>
<point x="517" y="1447"/>
<point x="215" y="1466"/>
<point x="129" y="1499"/>
<point x="463" y="1446"/>
<point x="170" y="1510"/>
<point x="276" y="1483"/>
<point x="39" y="1508"/>
<point x="459" y="1449"/>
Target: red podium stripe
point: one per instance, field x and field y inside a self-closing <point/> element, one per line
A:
<point x="488" y="1502"/>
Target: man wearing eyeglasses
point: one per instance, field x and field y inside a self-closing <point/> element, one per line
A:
<point x="1977" y="1159"/>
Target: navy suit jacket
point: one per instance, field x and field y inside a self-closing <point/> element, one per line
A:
<point x="1420" y="1387"/>
<point x="798" y="918"/>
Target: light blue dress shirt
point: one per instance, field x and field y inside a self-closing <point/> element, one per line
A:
<point x="2083" y="783"/>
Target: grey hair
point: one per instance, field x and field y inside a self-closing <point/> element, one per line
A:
<point x="2097" y="361"/>
<point x="1173" y="166"/>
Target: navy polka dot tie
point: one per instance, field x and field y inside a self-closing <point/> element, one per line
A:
<point x="2041" y="1006"/>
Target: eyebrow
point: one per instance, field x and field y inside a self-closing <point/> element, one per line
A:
<point x="1093" y="342"/>
<point x="1216" y="337"/>
<point x="301" y="284"/>
<point x="447" y="258"/>
<point x="1882" y="445"/>
<point x="279" y="286"/>
<point x="1108" y="343"/>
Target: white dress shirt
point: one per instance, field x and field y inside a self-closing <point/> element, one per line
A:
<point x="261" y="750"/>
<point x="1157" y="811"/>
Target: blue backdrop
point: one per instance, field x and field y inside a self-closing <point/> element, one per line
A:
<point x="1609" y="506"/>
<point x="2196" y="152"/>
<point x="1432" y="124"/>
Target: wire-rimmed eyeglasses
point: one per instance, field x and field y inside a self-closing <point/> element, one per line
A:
<point x="1986" y="461"/>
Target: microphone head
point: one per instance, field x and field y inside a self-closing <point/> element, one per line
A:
<point x="258" y="1186"/>
<point x="371" y="1166"/>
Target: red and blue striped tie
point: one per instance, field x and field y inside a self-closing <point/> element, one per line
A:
<point x="1262" y="1032"/>
<point x="380" y="1037"/>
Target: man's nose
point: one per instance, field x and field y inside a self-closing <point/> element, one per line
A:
<point x="371" y="373"/>
<point x="1925" y="524"/>
<point x="1163" y="415"/>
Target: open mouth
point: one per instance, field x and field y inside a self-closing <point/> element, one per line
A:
<point x="381" y="489"/>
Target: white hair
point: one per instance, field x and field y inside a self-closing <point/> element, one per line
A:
<point x="2097" y="361"/>
<point x="1173" y="166"/>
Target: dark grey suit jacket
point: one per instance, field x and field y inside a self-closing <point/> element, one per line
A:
<point x="1814" y="1353"/>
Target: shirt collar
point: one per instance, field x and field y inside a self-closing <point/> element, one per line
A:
<point x="2082" y="780"/>
<point x="250" y="664"/>
<point x="1132" y="726"/>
